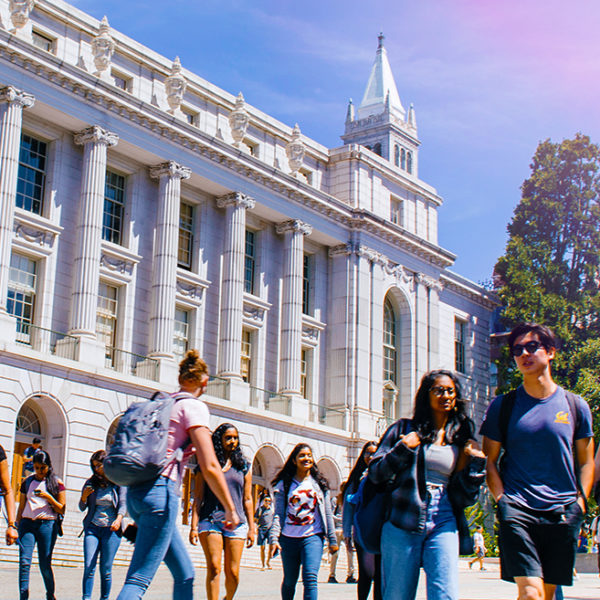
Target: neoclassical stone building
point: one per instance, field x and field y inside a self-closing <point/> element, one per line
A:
<point x="144" y="211"/>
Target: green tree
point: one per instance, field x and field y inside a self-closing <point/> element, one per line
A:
<point x="550" y="272"/>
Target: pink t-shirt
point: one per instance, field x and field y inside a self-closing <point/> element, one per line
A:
<point x="188" y="412"/>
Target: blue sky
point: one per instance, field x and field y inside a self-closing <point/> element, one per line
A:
<point x="489" y="79"/>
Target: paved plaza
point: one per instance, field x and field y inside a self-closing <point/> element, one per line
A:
<point x="474" y="585"/>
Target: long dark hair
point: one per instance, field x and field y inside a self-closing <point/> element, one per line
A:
<point x="357" y="470"/>
<point x="41" y="457"/>
<point x="96" y="479"/>
<point x="238" y="462"/>
<point x="459" y="428"/>
<point x="288" y="471"/>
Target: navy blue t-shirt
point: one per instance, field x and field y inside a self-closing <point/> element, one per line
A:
<point x="537" y="470"/>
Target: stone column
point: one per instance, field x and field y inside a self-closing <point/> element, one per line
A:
<point x="164" y="276"/>
<point x="12" y="103"/>
<point x="232" y="295"/>
<point x="95" y="142"/>
<point x="291" y="306"/>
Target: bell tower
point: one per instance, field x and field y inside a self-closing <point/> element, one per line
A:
<point x="381" y="123"/>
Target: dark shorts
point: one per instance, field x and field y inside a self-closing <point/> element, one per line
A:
<point x="262" y="539"/>
<point x="535" y="543"/>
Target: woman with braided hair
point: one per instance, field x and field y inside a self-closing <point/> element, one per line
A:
<point x="208" y="525"/>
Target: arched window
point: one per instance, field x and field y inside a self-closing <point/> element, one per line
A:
<point x="397" y="155"/>
<point x="377" y="148"/>
<point x="403" y="159"/>
<point x="28" y="421"/>
<point x="389" y="342"/>
<point x="409" y="162"/>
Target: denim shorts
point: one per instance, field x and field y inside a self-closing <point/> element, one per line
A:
<point x="240" y="532"/>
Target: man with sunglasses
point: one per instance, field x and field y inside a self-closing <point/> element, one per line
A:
<point x="541" y="503"/>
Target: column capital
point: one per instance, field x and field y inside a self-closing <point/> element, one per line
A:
<point x="10" y="95"/>
<point x="236" y="199"/>
<point x="295" y="226"/>
<point x="170" y="169"/>
<point x="96" y="135"/>
<point x="341" y="250"/>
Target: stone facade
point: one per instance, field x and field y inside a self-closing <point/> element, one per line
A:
<point x="144" y="210"/>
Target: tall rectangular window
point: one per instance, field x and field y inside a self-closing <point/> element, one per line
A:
<point x="306" y="280"/>
<point x="249" y="261"/>
<point x="186" y="236"/>
<point x="32" y="174"/>
<point x="181" y="333"/>
<point x="21" y="295"/>
<point x="304" y="369"/>
<point x="459" y="345"/>
<point x="246" y="356"/>
<point x="106" y="319"/>
<point x="396" y="208"/>
<point x="114" y="207"/>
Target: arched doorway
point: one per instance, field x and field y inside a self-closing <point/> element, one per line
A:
<point x="39" y="417"/>
<point x="266" y="464"/>
<point x="331" y="472"/>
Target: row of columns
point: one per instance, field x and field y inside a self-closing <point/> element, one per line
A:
<point x="96" y="141"/>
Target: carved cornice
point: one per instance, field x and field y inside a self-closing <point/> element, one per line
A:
<point x="170" y="169"/>
<point x="472" y="291"/>
<point x="96" y="135"/>
<point x="341" y="250"/>
<point x="293" y="226"/>
<point x="12" y="95"/>
<point x="236" y="199"/>
<point x="429" y="282"/>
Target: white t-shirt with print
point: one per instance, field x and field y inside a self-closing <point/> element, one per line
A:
<point x="302" y="515"/>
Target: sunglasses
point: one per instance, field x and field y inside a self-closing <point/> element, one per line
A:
<point x="439" y="391"/>
<point x="531" y="347"/>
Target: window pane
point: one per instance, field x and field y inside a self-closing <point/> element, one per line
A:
<point x="20" y="298"/>
<point x="459" y="346"/>
<point x="389" y="342"/>
<point x="114" y="202"/>
<point x="181" y="333"/>
<point x="249" y="262"/>
<point x="106" y="319"/>
<point x="32" y="174"/>
<point x="186" y="236"/>
<point x="246" y="357"/>
<point x="306" y="278"/>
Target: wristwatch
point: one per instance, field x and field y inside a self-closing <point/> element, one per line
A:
<point x="12" y="524"/>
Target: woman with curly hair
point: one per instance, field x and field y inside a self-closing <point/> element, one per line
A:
<point x="208" y="517"/>
<point x="303" y="517"/>
<point x="433" y="469"/>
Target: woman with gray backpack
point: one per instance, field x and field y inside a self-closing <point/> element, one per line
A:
<point x="154" y="504"/>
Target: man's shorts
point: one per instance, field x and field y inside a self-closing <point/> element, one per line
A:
<point x="537" y="543"/>
<point x="240" y="532"/>
<point x="262" y="538"/>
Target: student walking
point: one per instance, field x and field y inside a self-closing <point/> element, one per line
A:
<point x="303" y="517"/>
<point x="436" y="469"/>
<point x="369" y="564"/>
<point x="263" y="518"/>
<point x="208" y="516"/>
<point x="540" y="504"/>
<point x="105" y="505"/>
<point x="9" y="499"/>
<point x="154" y="505"/>
<point x="337" y="507"/>
<point x="42" y="504"/>
<point x="479" y="548"/>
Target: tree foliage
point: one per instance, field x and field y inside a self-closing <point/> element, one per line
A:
<point x="550" y="272"/>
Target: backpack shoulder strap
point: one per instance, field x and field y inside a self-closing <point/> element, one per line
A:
<point x="506" y="408"/>
<point x="574" y="410"/>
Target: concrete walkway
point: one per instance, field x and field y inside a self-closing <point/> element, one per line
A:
<point x="264" y="585"/>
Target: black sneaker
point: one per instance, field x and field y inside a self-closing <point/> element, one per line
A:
<point x="332" y="579"/>
<point x="351" y="579"/>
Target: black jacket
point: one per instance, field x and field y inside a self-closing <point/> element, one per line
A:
<point x="402" y="469"/>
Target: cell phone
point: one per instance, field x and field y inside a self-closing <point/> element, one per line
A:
<point x="37" y="492"/>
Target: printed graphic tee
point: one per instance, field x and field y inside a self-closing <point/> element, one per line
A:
<point x="302" y="515"/>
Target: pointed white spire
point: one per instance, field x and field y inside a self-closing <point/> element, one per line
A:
<point x="350" y="112"/>
<point x="412" y="119"/>
<point x="381" y="84"/>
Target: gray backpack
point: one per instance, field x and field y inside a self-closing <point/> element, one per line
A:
<point x="138" y="453"/>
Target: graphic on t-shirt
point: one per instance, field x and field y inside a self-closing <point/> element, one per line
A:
<point x="562" y="416"/>
<point x="301" y="507"/>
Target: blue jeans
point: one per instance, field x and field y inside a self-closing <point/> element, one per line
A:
<point x="154" y="507"/>
<point x="43" y="533"/>
<point x="104" y="542"/>
<point x="305" y="551"/>
<point x="435" y="549"/>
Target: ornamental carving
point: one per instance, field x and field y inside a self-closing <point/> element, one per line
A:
<point x="294" y="226"/>
<point x="170" y="169"/>
<point x="34" y="236"/>
<point x="295" y="150"/>
<point x="371" y="255"/>
<point x="236" y="199"/>
<point x="19" y="12"/>
<point x="13" y="95"/>
<point x="429" y="282"/>
<point x="175" y="86"/>
<point x="310" y="333"/>
<point x="103" y="48"/>
<point x="118" y="265"/>
<point x="191" y="291"/>
<point x="255" y="314"/>
<point x="238" y="120"/>
<point x="96" y="135"/>
<point x="341" y="250"/>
